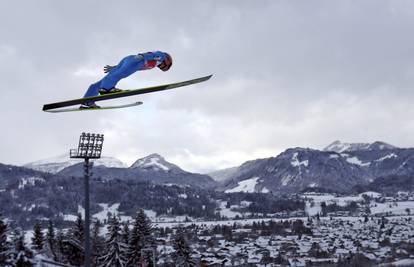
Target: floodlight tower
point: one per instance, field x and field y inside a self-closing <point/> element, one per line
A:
<point x="90" y="147"/>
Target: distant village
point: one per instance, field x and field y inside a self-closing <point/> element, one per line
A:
<point x="341" y="233"/>
<point x="315" y="241"/>
<point x="363" y="230"/>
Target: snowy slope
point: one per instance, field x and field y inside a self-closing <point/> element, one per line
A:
<point x="58" y="163"/>
<point x="340" y="147"/>
<point x="247" y="186"/>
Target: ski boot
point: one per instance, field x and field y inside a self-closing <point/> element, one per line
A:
<point x="104" y="91"/>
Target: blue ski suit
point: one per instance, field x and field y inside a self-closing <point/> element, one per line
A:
<point x="127" y="66"/>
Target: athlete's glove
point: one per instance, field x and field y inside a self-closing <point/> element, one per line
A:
<point x="108" y="68"/>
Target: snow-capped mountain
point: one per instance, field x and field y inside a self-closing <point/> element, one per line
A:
<point x="339" y="167"/>
<point x="297" y="169"/>
<point x="340" y="147"/>
<point x="153" y="168"/>
<point x="155" y="162"/>
<point x="27" y="195"/>
<point x="58" y="163"/>
<point x="301" y="169"/>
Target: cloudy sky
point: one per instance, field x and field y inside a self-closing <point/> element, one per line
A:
<point x="286" y="74"/>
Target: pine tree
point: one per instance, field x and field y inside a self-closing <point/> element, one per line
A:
<point x="73" y="247"/>
<point x="146" y="229"/>
<point x="4" y="245"/>
<point x="97" y="243"/>
<point x="60" y="247"/>
<point x="50" y="242"/>
<point x="115" y="248"/>
<point x="23" y="256"/>
<point x="78" y="232"/>
<point x="125" y="232"/>
<point x="141" y="237"/>
<point x="38" y="238"/>
<point x="182" y="256"/>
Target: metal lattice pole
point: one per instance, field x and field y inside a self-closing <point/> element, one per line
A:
<point x="90" y="147"/>
<point x="87" y="216"/>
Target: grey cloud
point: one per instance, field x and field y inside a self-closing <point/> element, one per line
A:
<point x="286" y="73"/>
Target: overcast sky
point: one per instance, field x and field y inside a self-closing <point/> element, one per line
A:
<point x="286" y="74"/>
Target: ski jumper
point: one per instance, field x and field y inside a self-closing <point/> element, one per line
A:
<point x="127" y="66"/>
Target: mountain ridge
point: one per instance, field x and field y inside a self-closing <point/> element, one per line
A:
<point x="298" y="169"/>
<point x="339" y="147"/>
<point x="57" y="163"/>
<point x="339" y="166"/>
<point x="152" y="168"/>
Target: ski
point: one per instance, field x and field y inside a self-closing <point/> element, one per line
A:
<point x="125" y="93"/>
<point x="90" y="109"/>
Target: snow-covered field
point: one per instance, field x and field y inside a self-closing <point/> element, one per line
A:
<point x="394" y="208"/>
<point x="399" y="263"/>
<point x="330" y="199"/>
<point x="313" y="205"/>
<point x="246" y="186"/>
<point x="106" y="210"/>
<point x="242" y="222"/>
<point x="228" y="212"/>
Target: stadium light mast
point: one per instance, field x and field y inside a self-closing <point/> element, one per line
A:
<point x="90" y="147"/>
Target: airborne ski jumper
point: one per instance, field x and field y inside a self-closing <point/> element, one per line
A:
<point x="127" y="66"/>
<point x="105" y="88"/>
